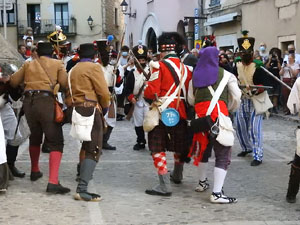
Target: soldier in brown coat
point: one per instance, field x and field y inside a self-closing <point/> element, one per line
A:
<point x="39" y="78"/>
<point x="88" y="91"/>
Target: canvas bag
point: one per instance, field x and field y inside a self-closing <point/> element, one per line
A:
<point x="81" y="126"/>
<point x="261" y="103"/>
<point x="225" y="135"/>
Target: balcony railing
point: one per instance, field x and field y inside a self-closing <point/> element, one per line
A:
<point x="45" y="27"/>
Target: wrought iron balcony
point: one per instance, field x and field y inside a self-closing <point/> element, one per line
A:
<point x="45" y="27"/>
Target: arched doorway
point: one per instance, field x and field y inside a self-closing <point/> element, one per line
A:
<point x="181" y="28"/>
<point x="152" y="40"/>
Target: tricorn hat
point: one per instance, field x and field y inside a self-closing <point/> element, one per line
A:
<point x="140" y="51"/>
<point x="170" y="41"/>
<point x="87" y="50"/>
<point x="44" y="48"/>
<point x="246" y="44"/>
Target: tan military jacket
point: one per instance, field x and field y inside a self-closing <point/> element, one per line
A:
<point x="35" y="78"/>
<point x="88" y="84"/>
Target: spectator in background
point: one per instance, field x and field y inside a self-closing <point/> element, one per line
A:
<point x="288" y="73"/>
<point x="29" y="44"/>
<point x="124" y="55"/>
<point x="22" y="51"/>
<point x="263" y="52"/>
<point x="274" y="66"/>
<point x="195" y="52"/>
<point x="292" y="50"/>
<point x="33" y="54"/>
<point x="224" y="63"/>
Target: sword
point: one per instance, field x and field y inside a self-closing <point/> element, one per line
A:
<point x="255" y="86"/>
<point x="276" y="78"/>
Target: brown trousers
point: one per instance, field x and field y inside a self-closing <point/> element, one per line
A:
<point x="39" y="112"/>
<point x="93" y="148"/>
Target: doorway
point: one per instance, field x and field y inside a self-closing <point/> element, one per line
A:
<point x="34" y="17"/>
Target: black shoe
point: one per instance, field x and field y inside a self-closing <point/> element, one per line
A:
<point x="107" y="146"/>
<point x="275" y="110"/>
<point x="34" y="176"/>
<point x="174" y="180"/>
<point x="255" y="163"/>
<point x="15" y="172"/>
<point x="243" y="154"/>
<point x="57" y="189"/>
<point x="153" y="192"/>
<point x="138" y="146"/>
<point x="291" y="199"/>
<point x="45" y="149"/>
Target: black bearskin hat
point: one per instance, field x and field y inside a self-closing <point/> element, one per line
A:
<point x="44" y="48"/>
<point x="171" y="41"/>
<point x="140" y="51"/>
<point x="87" y="50"/>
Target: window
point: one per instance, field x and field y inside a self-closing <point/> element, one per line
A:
<point x="10" y="15"/>
<point x="214" y="2"/>
<point x="116" y="17"/>
<point x="62" y="16"/>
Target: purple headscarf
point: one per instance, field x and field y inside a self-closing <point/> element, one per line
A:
<point x="207" y="68"/>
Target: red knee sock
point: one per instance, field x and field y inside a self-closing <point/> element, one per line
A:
<point x="34" y="152"/>
<point x="54" y="163"/>
<point x="160" y="162"/>
<point x="177" y="159"/>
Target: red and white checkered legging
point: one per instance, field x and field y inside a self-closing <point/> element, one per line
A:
<point x="160" y="162"/>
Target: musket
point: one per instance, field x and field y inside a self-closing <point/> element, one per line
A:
<point x="119" y="53"/>
<point x="255" y="86"/>
<point x="276" y="78"/>
<point x="130" y="113"/>
<point x="138" y="64"/>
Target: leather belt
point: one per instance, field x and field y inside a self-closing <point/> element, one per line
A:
<point x="38" y="93"/>
<point x="86" y="104"/>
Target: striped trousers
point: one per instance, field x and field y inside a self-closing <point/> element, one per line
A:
<point x="249" y="129"/>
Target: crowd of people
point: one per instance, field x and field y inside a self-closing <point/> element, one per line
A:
<point x="186" y="102"/>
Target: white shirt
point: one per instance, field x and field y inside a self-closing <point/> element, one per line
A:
<point x="288" y="72"/>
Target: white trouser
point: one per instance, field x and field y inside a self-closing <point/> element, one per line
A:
<point x="139" y="113"/>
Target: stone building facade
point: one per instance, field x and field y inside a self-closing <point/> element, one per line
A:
<point x="72" y="16"/>
<point x="273" y="22"/>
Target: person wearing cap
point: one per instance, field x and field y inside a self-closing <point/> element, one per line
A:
<point x="134" y="82"/>
<point x="88" y="93"/>
<point x="39" y="77"/>
<point x="249" y="123"/>
<point x="208" y="74"/>
<point x="164" y="138"/>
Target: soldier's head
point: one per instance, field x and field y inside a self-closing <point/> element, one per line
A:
<point x="170" y="42"/>
<point x="44" y="49"/>
<point x="87" y="51"/>
<point x="141" y="53"/>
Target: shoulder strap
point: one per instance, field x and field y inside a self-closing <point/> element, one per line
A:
<point x="216" y="95"/>
<point x="69" y="83"/>
<point x="50" y="78"/>
<point x="173" y="72"/>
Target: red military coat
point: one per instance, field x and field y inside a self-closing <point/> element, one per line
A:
<point x="161" y="81"/>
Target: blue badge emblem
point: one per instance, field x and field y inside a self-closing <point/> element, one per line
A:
<point x="170" y="117"/>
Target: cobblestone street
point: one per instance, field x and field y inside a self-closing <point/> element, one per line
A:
<point x="122" y="176"/>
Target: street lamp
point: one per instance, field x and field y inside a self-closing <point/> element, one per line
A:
<point x="124" y="7"/>
<point x="90" y="22"/>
